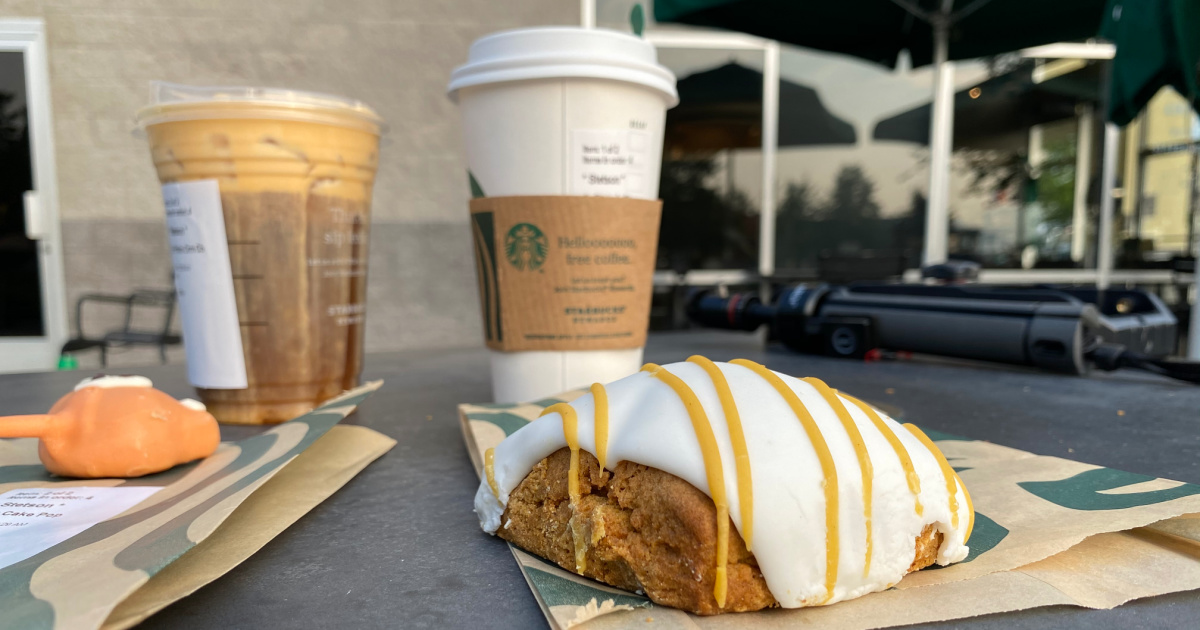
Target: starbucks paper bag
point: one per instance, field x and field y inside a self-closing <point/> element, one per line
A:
<point x="57" y="577"/>
<point x="1047" y="531"/>
<point x="308" y="480"/>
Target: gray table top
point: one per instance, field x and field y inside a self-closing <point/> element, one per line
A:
<point x="400" y="547"/>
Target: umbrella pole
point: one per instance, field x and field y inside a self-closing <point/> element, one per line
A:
<point x="1108" y="180"/>
<point x="1108" y="176"/>
<point x="1193" y="347"/>
<point x="1083" y="175"/>
<point x="1193" y="352"/>
<point x="937" y="217"/>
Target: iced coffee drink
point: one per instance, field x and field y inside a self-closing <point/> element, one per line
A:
<point x="267" y="195"/>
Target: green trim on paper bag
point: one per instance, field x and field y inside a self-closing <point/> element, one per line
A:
<point x="25" y="472"/>
<point x="153" y="551"/>
<point x="985" y="536"/>
<point x="336" y="403"/>
<point x="508" y="422"/>
<point x="170" y="540"/>
<point x="546" y="402"/>
<point x="559" y="591"/>
<point x="1083" y="491"/>
<point x="496" y="405"/>
<point x="21" y="608"/>
<point x="161" y="479"/>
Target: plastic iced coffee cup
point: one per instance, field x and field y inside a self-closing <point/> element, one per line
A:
<point x="267" y="195"/>
<point x="563" y="111"/>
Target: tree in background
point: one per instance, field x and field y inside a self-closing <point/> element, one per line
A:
<point x="703" y="228"/>
<point x="908" y="232"/>
<point x="853" y="196"/>
<point x="1056" y="182"/>
<point x="845" y="223"/>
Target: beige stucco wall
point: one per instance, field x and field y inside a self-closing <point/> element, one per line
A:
<point x="394" y="54"/>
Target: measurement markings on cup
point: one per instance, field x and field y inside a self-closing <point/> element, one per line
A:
<point x="248" y="276"/>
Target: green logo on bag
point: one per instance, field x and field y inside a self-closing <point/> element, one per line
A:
<point x="526" y="246"/>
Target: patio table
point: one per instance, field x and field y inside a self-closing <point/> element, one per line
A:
<point x="400" y="547"/>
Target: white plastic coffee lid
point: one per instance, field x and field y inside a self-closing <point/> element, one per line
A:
<point x="173" y="102"/>
<point x="561" y="52"/>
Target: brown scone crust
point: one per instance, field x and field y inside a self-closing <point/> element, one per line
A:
<point x="644" y="530"/>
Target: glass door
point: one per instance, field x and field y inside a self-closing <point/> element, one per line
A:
<point x="32" y="310"/>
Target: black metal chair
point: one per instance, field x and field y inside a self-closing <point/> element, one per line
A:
<point x="127" y="335"/>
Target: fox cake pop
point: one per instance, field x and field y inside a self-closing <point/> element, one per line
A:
<point x="117" y="426"/>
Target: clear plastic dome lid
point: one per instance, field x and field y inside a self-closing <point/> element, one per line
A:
<point x="172" y="102"/>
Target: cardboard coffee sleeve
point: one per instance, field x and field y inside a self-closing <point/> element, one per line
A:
<point x="563" y="272"/>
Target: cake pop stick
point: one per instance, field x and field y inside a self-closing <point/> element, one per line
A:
<point x="24" y="426"/>
<point x="117" y="427"/>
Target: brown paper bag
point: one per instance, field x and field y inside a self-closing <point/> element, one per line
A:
<point x="310" y="479"/>
<point x="75" y="583"/>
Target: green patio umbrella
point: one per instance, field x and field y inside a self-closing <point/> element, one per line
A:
<point x="1158" y="44"/>
<point x="877" y="30"/>
<point x="933" y="31"/>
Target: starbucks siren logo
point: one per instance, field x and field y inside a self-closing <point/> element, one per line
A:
<point x="526" y="246"/>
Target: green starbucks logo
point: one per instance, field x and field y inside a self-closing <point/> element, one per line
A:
<point x="526" y="246"/>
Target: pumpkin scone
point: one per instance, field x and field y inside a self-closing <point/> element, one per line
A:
<point x="726" y="487"/>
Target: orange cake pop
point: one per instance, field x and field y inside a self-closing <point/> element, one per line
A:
<point x="117" y="426"/>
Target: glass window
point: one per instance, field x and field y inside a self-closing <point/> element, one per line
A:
<point x="1015" y="206"/>
<point x="1160" y="174"/>
<point x="1012" y="180"/>
<point x="852" y="166"/>
<point x="711" y="183"/>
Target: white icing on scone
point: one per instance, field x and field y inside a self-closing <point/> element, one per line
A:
<point x="648" y="424"/>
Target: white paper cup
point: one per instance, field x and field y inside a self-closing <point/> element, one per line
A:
<point x="530" y="99"/>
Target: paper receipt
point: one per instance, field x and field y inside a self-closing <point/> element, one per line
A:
<point x="35" y="519"/>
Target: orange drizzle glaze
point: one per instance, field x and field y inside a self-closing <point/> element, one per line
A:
<point x="570" y="422"/>
<point x="489" y="467"/>
<point x="910" y="471"/>
<point x="712" y="469"/>
<point x="741" y="455"/>
<point x="860" y="451"/>
<point x="953" y="482"/>
<point x="600" y="398"/>
<point x="827" y="468"/>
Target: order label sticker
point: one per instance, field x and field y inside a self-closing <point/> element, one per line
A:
<point x="610" y="163"/>
<point x="204" y="284"/>
<point x="35" y="519"/>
